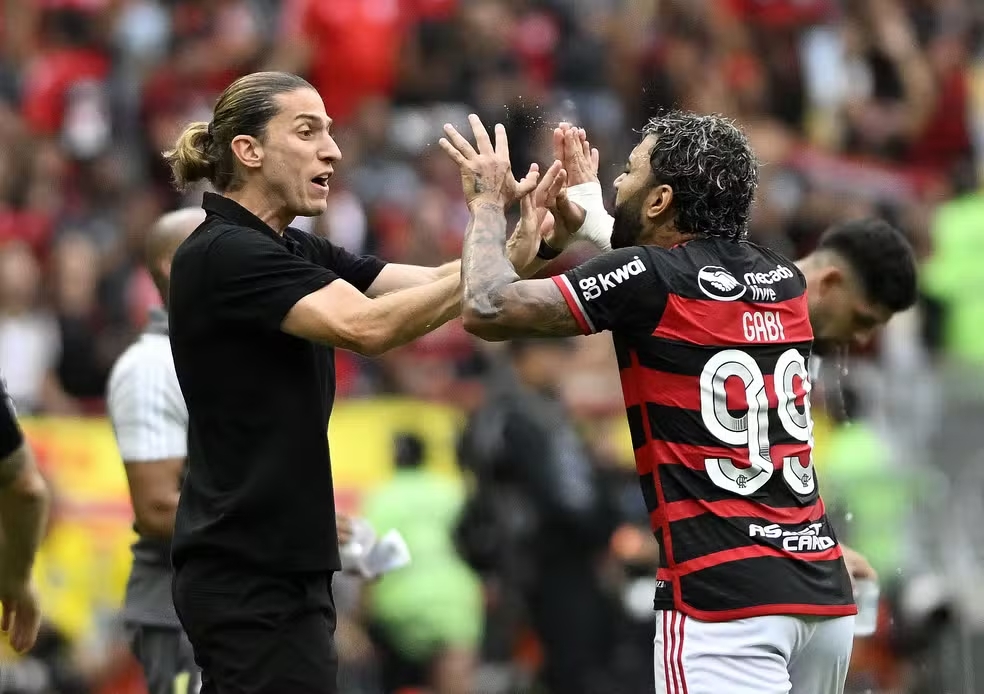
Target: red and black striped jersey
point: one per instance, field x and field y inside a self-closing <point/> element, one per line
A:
<point x="713" y="340"/>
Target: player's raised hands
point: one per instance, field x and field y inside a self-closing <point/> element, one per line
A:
<point x="486" y="173"/>
<point x="535" y="222"/>
<point x="572" y="148"/>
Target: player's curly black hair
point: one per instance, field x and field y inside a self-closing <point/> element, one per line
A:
<point x="708" y="162"/>
<point x="880" y="256"/>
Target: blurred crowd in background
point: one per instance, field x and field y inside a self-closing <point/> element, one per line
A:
<point x="854" y="108"/>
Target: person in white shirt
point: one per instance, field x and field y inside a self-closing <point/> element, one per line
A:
<point x="150" y="421"/>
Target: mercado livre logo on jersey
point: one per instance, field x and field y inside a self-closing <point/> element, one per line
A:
<point x="719" y="284"/>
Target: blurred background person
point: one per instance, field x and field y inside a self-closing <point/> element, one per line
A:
<point x="150" y="421"/>
<point x="425" y="619"/>
<point x="539" y="519"/>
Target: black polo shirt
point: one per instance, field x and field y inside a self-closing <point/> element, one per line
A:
<point x="11" y="435"/>
<point x="259" y="487"/>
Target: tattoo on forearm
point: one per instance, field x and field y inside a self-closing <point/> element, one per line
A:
<point x="485" y="266"/>
<point x="546" y="312"/>
<point x="11" y="466"/>
<point x="491" y="288"/>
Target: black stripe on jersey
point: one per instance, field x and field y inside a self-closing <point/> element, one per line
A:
<point x="662" y="562"/>
<point x="676" y="425"/>
<point x="679" y="483"/>
<point x="702" y="535"/>
<point x="648" y="487"/>
<point x="623" y="351"/>
<point x="689" y="360"/>
<point x="636" y="431"/>
<point x="767" y="581"/>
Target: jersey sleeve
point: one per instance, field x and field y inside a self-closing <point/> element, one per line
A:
<point x="358" y="270"/>
<point x="617" y="290"/>
<point x="11" y="436"/>
<point x="148" y="422"/>
<point x="254" y="279"/>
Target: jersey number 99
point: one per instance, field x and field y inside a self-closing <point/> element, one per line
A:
<point x="752" y="428"/>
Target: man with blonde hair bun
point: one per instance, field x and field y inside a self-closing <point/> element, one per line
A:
<point x="256" y="309"/>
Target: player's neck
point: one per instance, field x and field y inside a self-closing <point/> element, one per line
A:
<point x="666" y="236"/>
<point x="258" y="201"/>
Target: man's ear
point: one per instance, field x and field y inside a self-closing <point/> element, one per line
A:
<point x="248" y="150"/>
<point x="658" y="201"/>
<point x="827" y="279"/>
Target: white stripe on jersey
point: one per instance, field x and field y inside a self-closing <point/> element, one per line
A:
<point x="580" y="306"/>
<point x="145" y="404"/>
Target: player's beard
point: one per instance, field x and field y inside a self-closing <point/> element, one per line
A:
<point x="628" y="221"/>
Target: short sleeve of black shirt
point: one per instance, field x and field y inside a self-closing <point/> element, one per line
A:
<point x="358" y="270"/>
<point x="618" y="290"/>
<point x="11" y="436"/>
<point x="255" y="279"/>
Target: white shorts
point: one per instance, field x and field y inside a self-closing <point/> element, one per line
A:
<point x="760" y="655"/>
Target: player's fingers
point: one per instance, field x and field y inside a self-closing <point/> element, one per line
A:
<point x="542" y="196"/>
<point x="558" y="143"/>
<point x="528" y="212"/>
<point x="549" y="177"/>
<point x="541" y="191"/>
<point x="558" y="183"/>
<point x="482" y="140"/>
<point x="571" y="213"/>
<point x="571" y="143"/>
<point x="534" y="169"/>
<point x="594" y="159"/>
<point x="27" y="623"/>
<point x="501" y="142"/>
<point x="459" y="142"/>
<point x="546" y="224"/>
<point x="453" y="152"/>
<point x="528" y="184"/>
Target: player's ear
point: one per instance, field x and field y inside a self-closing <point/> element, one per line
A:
<point x="248" y="150"/>
<point x="658" y="201"/>
<point x="830" y="278"/>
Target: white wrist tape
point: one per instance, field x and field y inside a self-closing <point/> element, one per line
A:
<point x="586" y="194"/>
<point x="597" y="227"/>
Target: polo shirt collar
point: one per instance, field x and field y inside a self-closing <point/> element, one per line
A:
<point x="157" y="322"/>
<point x="230" y="210"/>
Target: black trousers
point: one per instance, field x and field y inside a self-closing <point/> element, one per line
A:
<point x="166" y="657"/>
<point x="258" y="633"/>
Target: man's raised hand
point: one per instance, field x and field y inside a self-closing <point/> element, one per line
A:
<point x="486" y="172"/>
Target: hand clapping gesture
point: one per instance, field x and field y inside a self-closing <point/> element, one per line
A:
<point x="486" y="173"/>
